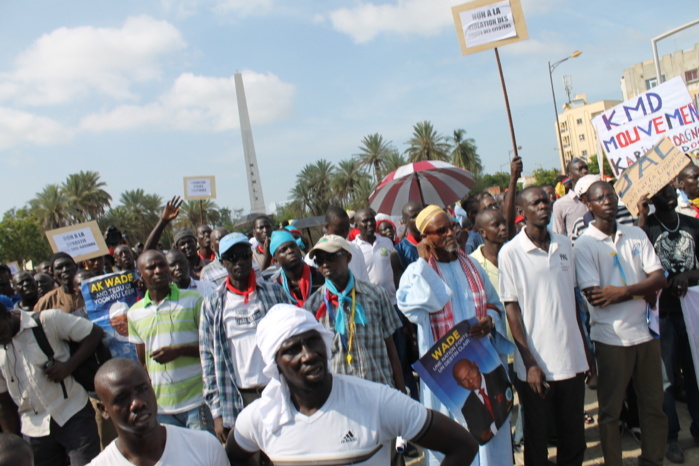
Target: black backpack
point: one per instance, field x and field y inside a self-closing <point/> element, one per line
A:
<point x="85" y="373"/>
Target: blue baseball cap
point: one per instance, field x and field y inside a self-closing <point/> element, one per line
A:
<point x="229" y="241"/>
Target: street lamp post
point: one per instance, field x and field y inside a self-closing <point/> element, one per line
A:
<point x="555" y="107"/>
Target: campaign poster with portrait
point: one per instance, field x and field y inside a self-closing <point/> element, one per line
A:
<point x="107" y="300"/>
<point x="468" y="377"/>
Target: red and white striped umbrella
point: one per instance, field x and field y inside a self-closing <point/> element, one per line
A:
<point x="427" y="182"/>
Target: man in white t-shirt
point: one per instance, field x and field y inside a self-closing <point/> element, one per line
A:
<point x="306" y="414"/>
<point x="537" y="281"/>
<point x="127" y="398"/>
<point x="619" y="272"/>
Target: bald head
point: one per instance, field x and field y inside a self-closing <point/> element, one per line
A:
<point x="113" y="371"/>
<point x="148" y="255"/>
<point x="467" y="374"/>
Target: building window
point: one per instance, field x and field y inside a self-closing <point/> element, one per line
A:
<point x="564" y="126"/>
<point x="651" y="83"/>
<point x="581" y="137"/>
<point x="566" y="141"/>
<point x="584" y="153"/>
<point x="579" y="121"/>
<point x="691" y="76"/>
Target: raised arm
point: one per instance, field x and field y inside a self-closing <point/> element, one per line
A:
<point x="508" y="207"/>
<point x="170" y="212"/>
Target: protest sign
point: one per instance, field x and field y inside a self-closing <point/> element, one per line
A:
<point x="455" y="368"/>
<point x="199" y="187"/>
<point x="82" y="241"/>
<point x="107" y="300"/>
<point x="630" y="129"/>
<point x="690" y="312"/>
<point x="485" y="24"/>
<point x="650" y="173"/>
<point x="14" y="267"/>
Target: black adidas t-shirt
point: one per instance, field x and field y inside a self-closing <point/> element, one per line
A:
<point x="678" y="253"/>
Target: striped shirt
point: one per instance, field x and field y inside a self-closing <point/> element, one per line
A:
<point x="175" y="321"/>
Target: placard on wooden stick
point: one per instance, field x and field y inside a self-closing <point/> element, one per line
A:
<point x="486" y="24"/>
<point x="650" y="173"/>
<point x="82" y="241"/>
<point x="197" y="188"/>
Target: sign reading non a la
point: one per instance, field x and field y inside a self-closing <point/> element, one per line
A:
<point x="650" y="173"/>
<point x="199" y="187"/>
<point x="486" y="24"/>
<point x="82" y="241"/>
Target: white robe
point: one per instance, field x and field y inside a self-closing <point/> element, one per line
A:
<point x="422" y="292"/>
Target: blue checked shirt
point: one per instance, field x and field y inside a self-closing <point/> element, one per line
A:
<point x="218" y="370"/>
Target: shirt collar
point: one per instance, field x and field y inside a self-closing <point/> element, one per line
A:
<point x="26" y="321"/>
<point x="174" y="295"/>
<point x="593" y="231"/>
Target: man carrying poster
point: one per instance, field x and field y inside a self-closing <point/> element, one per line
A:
<point x="441" y="289"/>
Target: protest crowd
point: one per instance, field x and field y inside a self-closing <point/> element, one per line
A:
<point x="269" y="348"/>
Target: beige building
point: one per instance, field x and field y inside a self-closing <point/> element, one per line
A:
<point x="641" y="76"/>
<point x="577" y="133"/>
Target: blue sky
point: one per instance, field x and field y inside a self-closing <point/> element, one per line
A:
<point x="142" y="91"/>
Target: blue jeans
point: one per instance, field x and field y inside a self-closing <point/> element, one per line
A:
<point x="198" y="419"/>
<point x="674" y="346"/>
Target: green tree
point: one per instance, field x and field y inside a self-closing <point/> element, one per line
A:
<point x="191" y="215"/>
<point x="372" y="153"/>
<point x="346" y="178"/>
<point x="593" y="166"/>
<point x="51" y="207"/>
<point x="313" y="188"/>
<point x="464" y="153"/>
<point x="427" y="144"/>
<point x="22" y="238"/>
<point x="136" y="216"/>
<point x="483" y="182"/>
<point x="361" y="196"/>
<point x="542" y="176"/>
<point x="85" y="194"/>
<point x="393" y="162"/>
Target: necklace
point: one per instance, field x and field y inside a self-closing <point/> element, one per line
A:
<point x="670" y="230"/>
<point x="546" y="241"/>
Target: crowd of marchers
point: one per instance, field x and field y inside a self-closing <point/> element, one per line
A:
<point x="267" y="348"/>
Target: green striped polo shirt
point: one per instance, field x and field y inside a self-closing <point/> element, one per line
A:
<point x="175" y="321"/>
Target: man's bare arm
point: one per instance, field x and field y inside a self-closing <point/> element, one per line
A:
<point x="170" y="212"/>
<point x="535" y="376"/>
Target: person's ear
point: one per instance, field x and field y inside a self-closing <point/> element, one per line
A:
<point x="103" y="410"/>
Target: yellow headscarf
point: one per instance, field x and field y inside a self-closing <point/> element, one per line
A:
<point x="426" y="215"/>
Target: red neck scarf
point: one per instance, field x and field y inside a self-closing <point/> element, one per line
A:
<point x="412" y="239"/>
<point x="252" y="282"/>
<point x="304" y="285"/>
<point x="211" y="256"/>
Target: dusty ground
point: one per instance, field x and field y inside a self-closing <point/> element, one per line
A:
<point x="593" y="454"/>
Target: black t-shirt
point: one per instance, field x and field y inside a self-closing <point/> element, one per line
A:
<point x="677" y="252"/>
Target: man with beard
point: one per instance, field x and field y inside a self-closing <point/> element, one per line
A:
<point x="26" y="288"/>
<point x="675" y="238"/>
<point x="127" y="398"/>
<point x="215" y="271"/>
<point x="179" y="272"/>
<point x="164" y="326"/>
<point x="64" y="297"/>
<point x="205" y="250"/>
<point x="262" y="231"/>
<point x="307" y="415"/>
<point x="230" y="362"/>
<point x="441" y="289"/>
<point x="298" y="279"/>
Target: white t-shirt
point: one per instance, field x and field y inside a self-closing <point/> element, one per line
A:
<point x="358" y="417"/>
<point x="240" y="320"/>
<point x="377" y="258"/>
<point x="182" y="446"/>
<point x="621" y="324"/>
<point x="543" y="284"/>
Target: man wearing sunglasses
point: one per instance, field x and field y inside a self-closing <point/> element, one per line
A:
<point x="231" y="362"/>
<point x="359" y="314"/>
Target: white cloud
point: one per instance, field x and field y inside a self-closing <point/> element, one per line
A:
<point x="17" y="127"/>
<point x="69" y="63"/>
<point x="405" y="17"/>
<point x="202" y="103"/>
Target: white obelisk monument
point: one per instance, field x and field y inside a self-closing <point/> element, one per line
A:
<point x="257" y="199"/>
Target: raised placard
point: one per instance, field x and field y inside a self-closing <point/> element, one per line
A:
<point x="199" y="187"/>
<point x="82" y="241"/>
<point x="486" y="24"/>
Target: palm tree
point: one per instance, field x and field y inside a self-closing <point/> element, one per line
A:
<point x="362" y="192"/>
<point x="313" y="189"/>
<point x="51" y="207"/>
<point x="345" y="179"/>
<point x="427" y="144"/>
<point x="85" y="195"/>
<point x="372" y="153"/>
<point x="191" y="214"/>
<point x="464" y="154"/>
<point x="393" y="162"/>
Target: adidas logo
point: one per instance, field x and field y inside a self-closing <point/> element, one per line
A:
<point x="348" y="438"/>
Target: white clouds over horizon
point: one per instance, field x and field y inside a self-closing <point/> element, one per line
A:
<point x="18" y="127"/>
<point x="71" y="63"/>
<point x="202" y="103"/>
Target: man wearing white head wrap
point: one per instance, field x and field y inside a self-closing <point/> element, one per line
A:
<point x="305" y="401"/>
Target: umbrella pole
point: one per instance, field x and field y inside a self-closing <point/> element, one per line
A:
<point x="507" y="103"/>
<point x="419" y="189"/>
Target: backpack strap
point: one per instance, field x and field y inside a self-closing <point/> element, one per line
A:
<point x="45" y="346"/>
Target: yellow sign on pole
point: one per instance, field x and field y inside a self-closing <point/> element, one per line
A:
<point x="82" y="241"/>
<point x="486" y="24"/>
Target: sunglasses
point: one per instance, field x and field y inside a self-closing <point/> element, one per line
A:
<point x="321" y="258"/>
<point x="442" y="231"/>
<point x="236" y="256"/>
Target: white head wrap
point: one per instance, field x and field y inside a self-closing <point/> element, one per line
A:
<point x="282" y="322"/>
